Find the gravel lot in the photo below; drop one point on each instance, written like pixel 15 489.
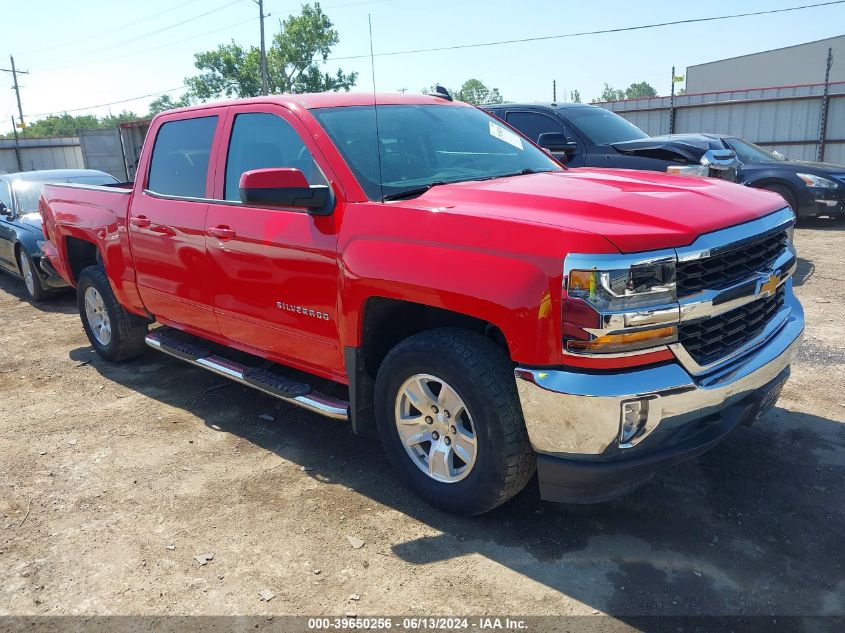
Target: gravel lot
pixel 113 478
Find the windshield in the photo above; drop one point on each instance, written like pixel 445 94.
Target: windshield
pixel 751 153
pixel 603 127
pixel 27 192
pixel 425 144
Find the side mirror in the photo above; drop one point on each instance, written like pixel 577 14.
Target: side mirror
pixel 4 210
pixel 557 142
pixel 284 187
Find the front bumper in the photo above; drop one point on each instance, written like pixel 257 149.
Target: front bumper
pixel 573 418
pixel 818 201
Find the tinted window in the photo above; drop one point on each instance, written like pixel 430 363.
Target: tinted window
pixel 179 165
pixel 422 144
pixel 603 127
pixel 5 194
pixel 533 124
pixel 261 140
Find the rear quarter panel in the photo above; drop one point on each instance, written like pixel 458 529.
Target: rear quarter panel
pixel 97 215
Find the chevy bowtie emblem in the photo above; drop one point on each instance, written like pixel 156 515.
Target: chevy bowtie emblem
pixel 769 284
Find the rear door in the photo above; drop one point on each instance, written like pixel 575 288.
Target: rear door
pixel 274 269
pixel 167 221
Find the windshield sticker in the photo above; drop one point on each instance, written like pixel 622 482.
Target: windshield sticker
pixel 505 135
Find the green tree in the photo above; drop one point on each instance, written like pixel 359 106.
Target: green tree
pixel 475 92
pixel 575 96
pixel 641 89
pixel 166 102
pixel 293 62
pixel 70 125
pixel 609 93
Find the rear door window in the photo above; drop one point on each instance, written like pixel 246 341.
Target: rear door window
pixel 179 166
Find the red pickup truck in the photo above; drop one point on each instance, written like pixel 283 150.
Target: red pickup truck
pixel 485 311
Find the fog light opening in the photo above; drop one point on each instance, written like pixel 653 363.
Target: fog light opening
pixel 633 418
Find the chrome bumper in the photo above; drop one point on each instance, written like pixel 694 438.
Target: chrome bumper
pixel 576 415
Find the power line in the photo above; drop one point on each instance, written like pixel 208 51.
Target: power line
pixel 504 42
pixel 149 49
pixel 156 31
pixel 103 105
pixel 581 33
pixel 111 29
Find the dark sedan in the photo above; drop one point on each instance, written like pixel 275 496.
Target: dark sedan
pixel 811 189
pixel 21 234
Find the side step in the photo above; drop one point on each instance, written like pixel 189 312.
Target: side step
pixel 193 350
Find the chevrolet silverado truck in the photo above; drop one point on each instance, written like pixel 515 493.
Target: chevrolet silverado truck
pixel 483 310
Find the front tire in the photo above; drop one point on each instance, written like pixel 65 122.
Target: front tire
pixel 29 272
pixel 450 420
pixel 115 334
pixel 786 193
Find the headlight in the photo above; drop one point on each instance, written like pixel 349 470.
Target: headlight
pixel 688 170
pixel 631 288
pixel 627 309
pixel 812 180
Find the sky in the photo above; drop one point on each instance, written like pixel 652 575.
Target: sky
pixel 90 52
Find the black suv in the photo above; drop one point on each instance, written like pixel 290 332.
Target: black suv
pixel 582 135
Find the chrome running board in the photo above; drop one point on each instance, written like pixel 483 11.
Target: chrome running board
pixel 181 346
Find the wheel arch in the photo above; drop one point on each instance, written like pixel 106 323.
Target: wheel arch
pixel 384 323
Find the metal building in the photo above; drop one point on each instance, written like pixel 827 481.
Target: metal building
pixel 788 66
pixel 786 99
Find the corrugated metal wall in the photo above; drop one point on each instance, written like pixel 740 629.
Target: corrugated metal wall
pixel 785 119
pixel 41 153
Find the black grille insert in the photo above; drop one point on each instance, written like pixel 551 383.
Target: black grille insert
pixel 730 267
pixel 711 339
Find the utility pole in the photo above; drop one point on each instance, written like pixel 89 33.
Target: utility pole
pixel 18 156
pixel 17 89
pixel 265 82
pixel 554 90
pixel 825 107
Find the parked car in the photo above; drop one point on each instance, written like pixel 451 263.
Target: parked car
pixel 20 225
pixel 485 309
pixel 582 135
pixel 811 189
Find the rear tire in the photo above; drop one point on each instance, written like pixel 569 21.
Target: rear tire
pixel 29 272
pixel 488 458
pixel 115 334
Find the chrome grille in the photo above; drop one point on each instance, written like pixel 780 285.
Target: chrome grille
pixel 712 339
pixel 729 267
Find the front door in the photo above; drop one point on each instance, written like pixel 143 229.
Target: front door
pixel 167 225
pixel 274 269
pixel 7 231
pixel 533 124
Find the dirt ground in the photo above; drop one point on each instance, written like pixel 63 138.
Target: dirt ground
pixel 114 477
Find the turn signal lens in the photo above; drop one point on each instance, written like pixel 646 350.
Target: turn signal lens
pixel 628 342
pixel 688 170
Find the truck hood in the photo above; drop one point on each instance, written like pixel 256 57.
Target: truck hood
pixel 687 147
pixel 635 210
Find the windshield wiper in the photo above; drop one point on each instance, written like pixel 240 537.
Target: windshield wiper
pixel 522 172
pixel 413 193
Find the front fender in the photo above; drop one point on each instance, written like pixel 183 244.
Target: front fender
pixel 507 274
